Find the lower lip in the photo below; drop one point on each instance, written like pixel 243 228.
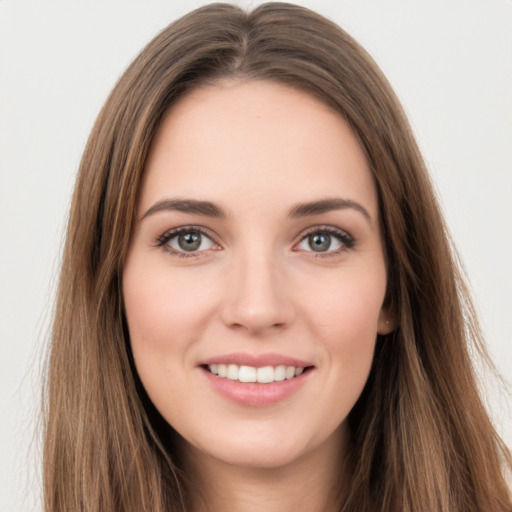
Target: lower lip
pixel 254 394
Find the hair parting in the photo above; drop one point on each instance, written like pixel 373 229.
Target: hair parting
pixel 421 437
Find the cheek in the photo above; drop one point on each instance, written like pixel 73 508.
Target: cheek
pixel 347 307
pixel 163 316
pixel 164 311
pixel 345 319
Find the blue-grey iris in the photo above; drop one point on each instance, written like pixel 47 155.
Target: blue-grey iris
pixel 189 241
pixel 319 242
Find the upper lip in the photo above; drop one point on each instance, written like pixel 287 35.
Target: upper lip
pixel 256 360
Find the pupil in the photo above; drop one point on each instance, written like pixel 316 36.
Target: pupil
pixel 189 241
pixel 319 242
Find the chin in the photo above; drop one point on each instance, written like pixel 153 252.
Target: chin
pixel 263 450
pixel 257 457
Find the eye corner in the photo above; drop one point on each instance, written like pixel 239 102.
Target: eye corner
pixel 332 236
pixel 170 242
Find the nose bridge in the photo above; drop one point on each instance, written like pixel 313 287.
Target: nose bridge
pixel 256 296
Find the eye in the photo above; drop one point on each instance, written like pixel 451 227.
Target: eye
pixel 325 240
pixel 186 241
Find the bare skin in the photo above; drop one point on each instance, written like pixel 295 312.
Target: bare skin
pixel 290 488
pixel 258 246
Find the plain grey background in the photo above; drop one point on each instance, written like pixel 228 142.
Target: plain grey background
pixel 450 62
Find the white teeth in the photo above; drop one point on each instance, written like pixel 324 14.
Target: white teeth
pixel 247 374
pixel 263 375
pixel 233 371
pixel 279 372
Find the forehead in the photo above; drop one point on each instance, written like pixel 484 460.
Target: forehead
pixel 255 143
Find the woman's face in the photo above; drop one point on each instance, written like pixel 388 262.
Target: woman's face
pixel 255 278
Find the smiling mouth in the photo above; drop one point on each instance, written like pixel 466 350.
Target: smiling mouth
pixel 262 375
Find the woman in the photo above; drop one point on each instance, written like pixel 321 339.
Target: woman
pixel 258 306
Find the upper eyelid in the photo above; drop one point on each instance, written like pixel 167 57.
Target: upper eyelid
pixel 345 238
pixel 325 228
pixel 170 233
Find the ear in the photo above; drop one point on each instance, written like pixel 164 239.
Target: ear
pixel 386 322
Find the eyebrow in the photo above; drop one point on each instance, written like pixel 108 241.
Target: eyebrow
pixel 209 209
pixel 192 206
pixel 327 205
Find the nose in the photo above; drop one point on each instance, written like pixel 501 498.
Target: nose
pixel 257 298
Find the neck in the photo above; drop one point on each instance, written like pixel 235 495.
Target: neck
pixel 311 482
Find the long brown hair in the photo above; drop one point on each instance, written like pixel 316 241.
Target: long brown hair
pixel 421 438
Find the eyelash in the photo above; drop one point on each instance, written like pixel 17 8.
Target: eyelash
pixel 163 240
pixel 343 237
pixel 347 241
